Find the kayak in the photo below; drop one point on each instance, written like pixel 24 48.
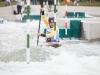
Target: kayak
pixel 52 44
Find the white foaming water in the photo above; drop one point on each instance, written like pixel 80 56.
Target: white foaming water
pixel 75 57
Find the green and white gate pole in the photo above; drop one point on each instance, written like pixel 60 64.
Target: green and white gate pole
pixel 55 19
pixel 66 14
pixel 28 33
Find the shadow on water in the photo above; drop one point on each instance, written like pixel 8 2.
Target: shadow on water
pixel 42 54
pixel 39 54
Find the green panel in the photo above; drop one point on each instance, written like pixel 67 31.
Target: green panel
pixel 80 14
pixel 70 14
pixel 69 33
pixel 75 24
pixel 62 33
pixel 36 17
pixel 31 17
pixel 77 33
pixel 45 31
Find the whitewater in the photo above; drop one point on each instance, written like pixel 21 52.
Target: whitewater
pixel 75 57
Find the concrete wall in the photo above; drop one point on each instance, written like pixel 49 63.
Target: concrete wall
pixel 90 27
pixel 91 30
pixel 7 10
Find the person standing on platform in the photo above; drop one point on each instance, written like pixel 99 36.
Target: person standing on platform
pixel 19 6
pixel 34 2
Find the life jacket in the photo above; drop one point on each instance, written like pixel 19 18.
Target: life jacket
pixel 48 30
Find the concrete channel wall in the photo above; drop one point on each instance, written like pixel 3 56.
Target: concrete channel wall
pixel 90 26
pixel 91 30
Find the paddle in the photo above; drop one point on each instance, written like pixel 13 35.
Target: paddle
pixel 39 28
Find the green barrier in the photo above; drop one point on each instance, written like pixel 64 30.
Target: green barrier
pixel 70 15
pixel 37 17
pixel 77 33
pixel 45 31
pixel 75 25
pixel 24 18
pixel 62 33
pixel 32 17
pixel 69 33
pixel 80 14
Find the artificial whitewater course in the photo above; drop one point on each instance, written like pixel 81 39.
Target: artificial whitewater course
pixel 75 57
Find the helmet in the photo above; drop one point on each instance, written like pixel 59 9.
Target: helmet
pixel 51 19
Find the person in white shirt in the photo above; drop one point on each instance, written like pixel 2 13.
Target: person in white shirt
pixel 19 6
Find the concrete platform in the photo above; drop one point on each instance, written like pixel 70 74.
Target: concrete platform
pixel 6 12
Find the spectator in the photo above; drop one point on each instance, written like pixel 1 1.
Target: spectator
pixel 34 2
pixel 7 2
pixel 19 6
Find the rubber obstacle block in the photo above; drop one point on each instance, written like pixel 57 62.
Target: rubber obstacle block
pixel 62 33
pixel 32 17
pixel 75 25
pixel 70 15
pixel 69 33
pixel 80 14
pixel 37 17
pixel 77 33
pixel 45 31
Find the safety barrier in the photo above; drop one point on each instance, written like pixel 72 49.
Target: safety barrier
pixel 32 17
pixel 77 15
